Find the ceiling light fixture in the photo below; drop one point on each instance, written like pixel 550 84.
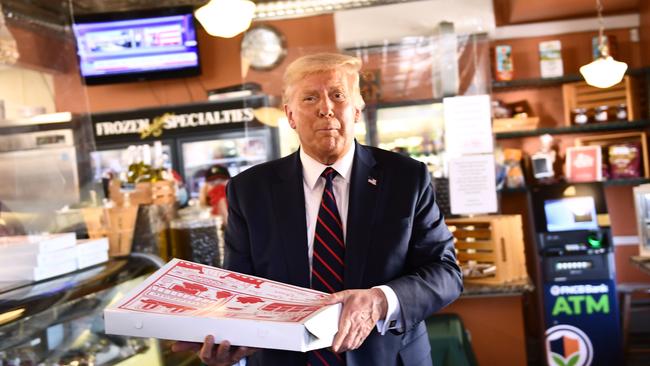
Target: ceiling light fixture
pixel 8 47
pixel 604 71
pixel 226 18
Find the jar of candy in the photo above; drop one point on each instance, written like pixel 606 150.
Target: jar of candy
pixel 601 114
pixel 580 116
pixel 621 112
pixel 194 236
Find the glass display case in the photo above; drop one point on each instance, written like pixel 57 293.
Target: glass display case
pixel 642 203
pixel 414 130
pixel 59 321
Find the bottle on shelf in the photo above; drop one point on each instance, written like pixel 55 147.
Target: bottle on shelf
pixel 135 163
pixel 157 169
pixel 145 165
pixel 580 116
pixel 621 112
pixel 602 114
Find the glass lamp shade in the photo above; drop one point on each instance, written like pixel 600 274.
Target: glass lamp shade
pixel 603 72
pixel 226 18
pixel 8 47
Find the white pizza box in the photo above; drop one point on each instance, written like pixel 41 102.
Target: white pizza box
pixel 92 246
pixel 187 301
pixel 43 243
pixel 37 273
pixel 85 260
pixel 37 259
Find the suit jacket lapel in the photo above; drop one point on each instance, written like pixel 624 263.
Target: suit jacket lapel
pixel 289 206
pixel 361 211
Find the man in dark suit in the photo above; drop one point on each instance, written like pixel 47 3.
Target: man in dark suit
pixel 355 221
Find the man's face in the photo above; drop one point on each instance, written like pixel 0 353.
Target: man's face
pixel 322 111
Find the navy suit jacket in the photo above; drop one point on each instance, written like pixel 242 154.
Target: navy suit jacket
pixel 395 236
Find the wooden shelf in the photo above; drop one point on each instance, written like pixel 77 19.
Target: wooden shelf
pixel 513 190
pixel 626 182
pixel 565 130
pixel 606 183
pixel 547 82
pixel 534 83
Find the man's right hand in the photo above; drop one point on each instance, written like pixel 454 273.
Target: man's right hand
pixel 222 355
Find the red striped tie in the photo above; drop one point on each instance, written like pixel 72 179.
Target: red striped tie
pixel 328 260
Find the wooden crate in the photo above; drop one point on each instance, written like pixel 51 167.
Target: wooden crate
pixel 582 95
pixel 116 223
pixel 639 137
pixel 491 240
pixel 514 124
pixel 145 193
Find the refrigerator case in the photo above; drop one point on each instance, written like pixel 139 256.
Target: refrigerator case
pixel 237 151
pixel 45 169
pixel 109 160
pixel 197 135
pixel 45 178
pixel 416 130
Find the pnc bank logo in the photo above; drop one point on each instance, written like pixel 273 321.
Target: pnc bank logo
pixel 568 346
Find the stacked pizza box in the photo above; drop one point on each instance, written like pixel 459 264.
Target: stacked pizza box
pixel 39 257
pixel 91 252
pixel 187 301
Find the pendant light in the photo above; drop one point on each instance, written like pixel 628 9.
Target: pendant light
pixel 604 71
pixel 8 47
pixel 226 18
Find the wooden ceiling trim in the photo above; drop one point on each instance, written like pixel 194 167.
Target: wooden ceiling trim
pixel 509 12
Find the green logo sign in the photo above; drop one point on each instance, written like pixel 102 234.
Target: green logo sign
pixel 581 304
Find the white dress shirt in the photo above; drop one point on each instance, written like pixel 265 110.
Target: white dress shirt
pixel 314 185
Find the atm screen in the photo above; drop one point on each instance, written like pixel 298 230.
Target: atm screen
pixel 574 213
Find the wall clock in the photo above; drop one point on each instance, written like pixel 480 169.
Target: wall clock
pixel 264 47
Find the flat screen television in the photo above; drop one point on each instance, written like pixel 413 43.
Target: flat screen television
pixel 137 45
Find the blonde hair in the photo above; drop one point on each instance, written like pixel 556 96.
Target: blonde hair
pixel 323 62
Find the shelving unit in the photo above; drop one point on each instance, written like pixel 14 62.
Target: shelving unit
pixel 547 82
pixel 606 183
pixel 626 182
pixel 534 83
pixel 565 130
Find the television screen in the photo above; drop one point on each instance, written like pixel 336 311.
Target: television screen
pixel 574 213
pixel 131 46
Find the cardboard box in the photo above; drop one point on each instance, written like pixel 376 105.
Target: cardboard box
pixel 187 301
pixel 86 246
pixel 550 59
pixel 37 259
pixel 503 61
pixel 36 243
pixel 584 164
pixel 37 273
pixel 92 258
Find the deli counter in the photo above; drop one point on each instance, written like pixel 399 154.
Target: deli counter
pixel 59 321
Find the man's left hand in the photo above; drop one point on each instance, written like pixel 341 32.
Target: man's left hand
pixel 361 311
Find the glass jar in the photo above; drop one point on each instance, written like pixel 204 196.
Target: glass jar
pixel 601 114
pixel 621 112
pixel 194 237
pixel 580 116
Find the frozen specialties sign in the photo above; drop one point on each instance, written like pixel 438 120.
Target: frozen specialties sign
pixel 155 126
pixel 159 123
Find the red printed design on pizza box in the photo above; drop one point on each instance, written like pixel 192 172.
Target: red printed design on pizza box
pixel 193 289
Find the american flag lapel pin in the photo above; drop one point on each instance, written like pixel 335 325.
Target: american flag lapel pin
pixel 372 181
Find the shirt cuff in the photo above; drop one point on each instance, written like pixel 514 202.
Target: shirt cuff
pixel 393 318
pixel 241 362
